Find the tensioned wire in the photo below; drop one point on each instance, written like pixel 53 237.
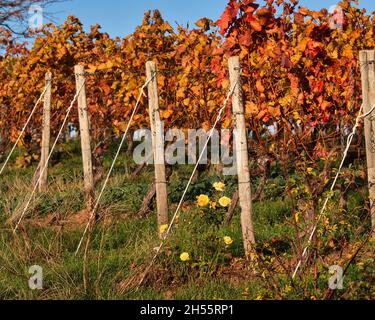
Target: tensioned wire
pixel 24 127
pixel 167 233
pixel 49 156
pixel 114 162
pixel 345 154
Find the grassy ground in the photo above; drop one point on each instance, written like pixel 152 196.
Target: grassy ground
pixel 122 244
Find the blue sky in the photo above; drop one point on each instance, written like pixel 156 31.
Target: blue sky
pixel 120 17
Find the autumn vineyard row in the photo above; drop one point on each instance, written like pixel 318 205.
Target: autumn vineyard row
pixel 301 73
pixel 305 77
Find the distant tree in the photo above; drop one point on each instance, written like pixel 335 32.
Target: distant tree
pixel 15 14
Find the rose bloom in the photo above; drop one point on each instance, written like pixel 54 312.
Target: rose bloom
pixel 184 257
pixel 203 200
pixel 219 186
pixel 163 228
pixel 213 205
pixel 228 241
pixel 225 202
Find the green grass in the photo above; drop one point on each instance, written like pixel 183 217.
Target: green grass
pixel 122 247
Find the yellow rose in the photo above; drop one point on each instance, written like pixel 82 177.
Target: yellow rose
pixel 228 241
pixel 213 205
pixel 184 257
pixel 219 186
pixel 225 202
pixel 203 200
pixel 163 229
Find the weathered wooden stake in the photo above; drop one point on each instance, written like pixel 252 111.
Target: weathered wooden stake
pixel 244 185
pixel 367 62
pixel 46 135
pixel 158 145
pixel 85 136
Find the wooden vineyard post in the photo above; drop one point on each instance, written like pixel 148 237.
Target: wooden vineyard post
pixel 244 185
pixel 46 135
pixel 158 146
pixel 85 136
pixel 367 63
